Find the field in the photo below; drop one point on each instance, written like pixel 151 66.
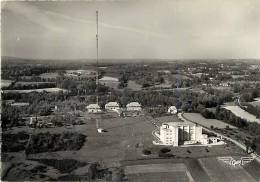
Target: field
pixel 256 102
pixel 111 82
pixel 49 75
pixel 30 83
pixel 122 146
pixel 198 170
pixel 222 88
pixel 133 85
pixel 158 172
pixel 5 83
pixel 124 140
pixel 53 90
pixel 225 172
pixel 198 118
pixel 242 113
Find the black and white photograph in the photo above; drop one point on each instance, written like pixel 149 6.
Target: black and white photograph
pixel 130 90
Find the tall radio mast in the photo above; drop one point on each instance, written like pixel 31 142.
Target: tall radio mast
pixel 97 59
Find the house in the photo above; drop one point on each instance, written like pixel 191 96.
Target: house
pixel 172 110
pixel 94 108
pixel 133 106
pixel 112 106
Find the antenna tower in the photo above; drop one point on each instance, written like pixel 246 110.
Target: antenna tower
pixel 97 59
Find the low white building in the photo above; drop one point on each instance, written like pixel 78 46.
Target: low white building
pixel 179 133
pixel 94 108
pixel 133 106
pixel 20 104
pixel 172 110
pixel 112 106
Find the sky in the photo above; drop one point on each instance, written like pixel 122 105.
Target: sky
pixel 132 29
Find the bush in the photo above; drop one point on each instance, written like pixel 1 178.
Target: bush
pixel 166 155
pixel 147 152
pixel 64 165
pixel 14 142
pixel 165 150
pixel 46 142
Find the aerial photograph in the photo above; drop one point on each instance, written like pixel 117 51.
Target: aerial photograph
pixel 130 90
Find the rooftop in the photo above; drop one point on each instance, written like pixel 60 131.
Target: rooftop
pixel 112 104
pixel 180 123
pixel 93 106
pixel 135 104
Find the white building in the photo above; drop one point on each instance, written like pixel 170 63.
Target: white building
pixel 172 110
pixel 94 108
pixel 133 106
pixel 179 133
pixel 20 104
pixel 112 106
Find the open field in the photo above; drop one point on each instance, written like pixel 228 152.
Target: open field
pixel 256 102
pixel 242 113
pixel 53 90
pixel 123 143
pixel 219 171
pixel 109 81
pixel 30 83
pixel 49 75
pixel 133 85
pixel 198 170
pixel 222 88
pixel 253 169
pixel 125 140
pixel 198 118
pixel 158 172
pixel 155 177
pixel 5 83
pixel 153 168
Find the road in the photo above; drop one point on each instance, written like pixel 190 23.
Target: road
pixel 242 146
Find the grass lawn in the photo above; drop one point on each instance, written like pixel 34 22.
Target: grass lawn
pixel 198 118
pixel 220 171
pixel 123 143
pixel 49 75
pixel 5 83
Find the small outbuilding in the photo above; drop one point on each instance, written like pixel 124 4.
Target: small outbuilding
pixel 94 108
pixel 172 110
pixel 133 106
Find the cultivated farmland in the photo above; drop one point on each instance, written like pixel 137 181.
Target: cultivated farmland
pixel 198 118
pixel 242 113
pixel 53 90
pixel 5 83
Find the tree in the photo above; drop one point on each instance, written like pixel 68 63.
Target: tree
pixel 10 116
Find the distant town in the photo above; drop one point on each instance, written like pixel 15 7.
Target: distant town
pixel 122 120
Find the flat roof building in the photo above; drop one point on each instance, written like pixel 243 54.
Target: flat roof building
pixel 179 133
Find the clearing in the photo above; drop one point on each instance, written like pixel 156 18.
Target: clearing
pixel 242 113
pixel 198 118
pixel 53 90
